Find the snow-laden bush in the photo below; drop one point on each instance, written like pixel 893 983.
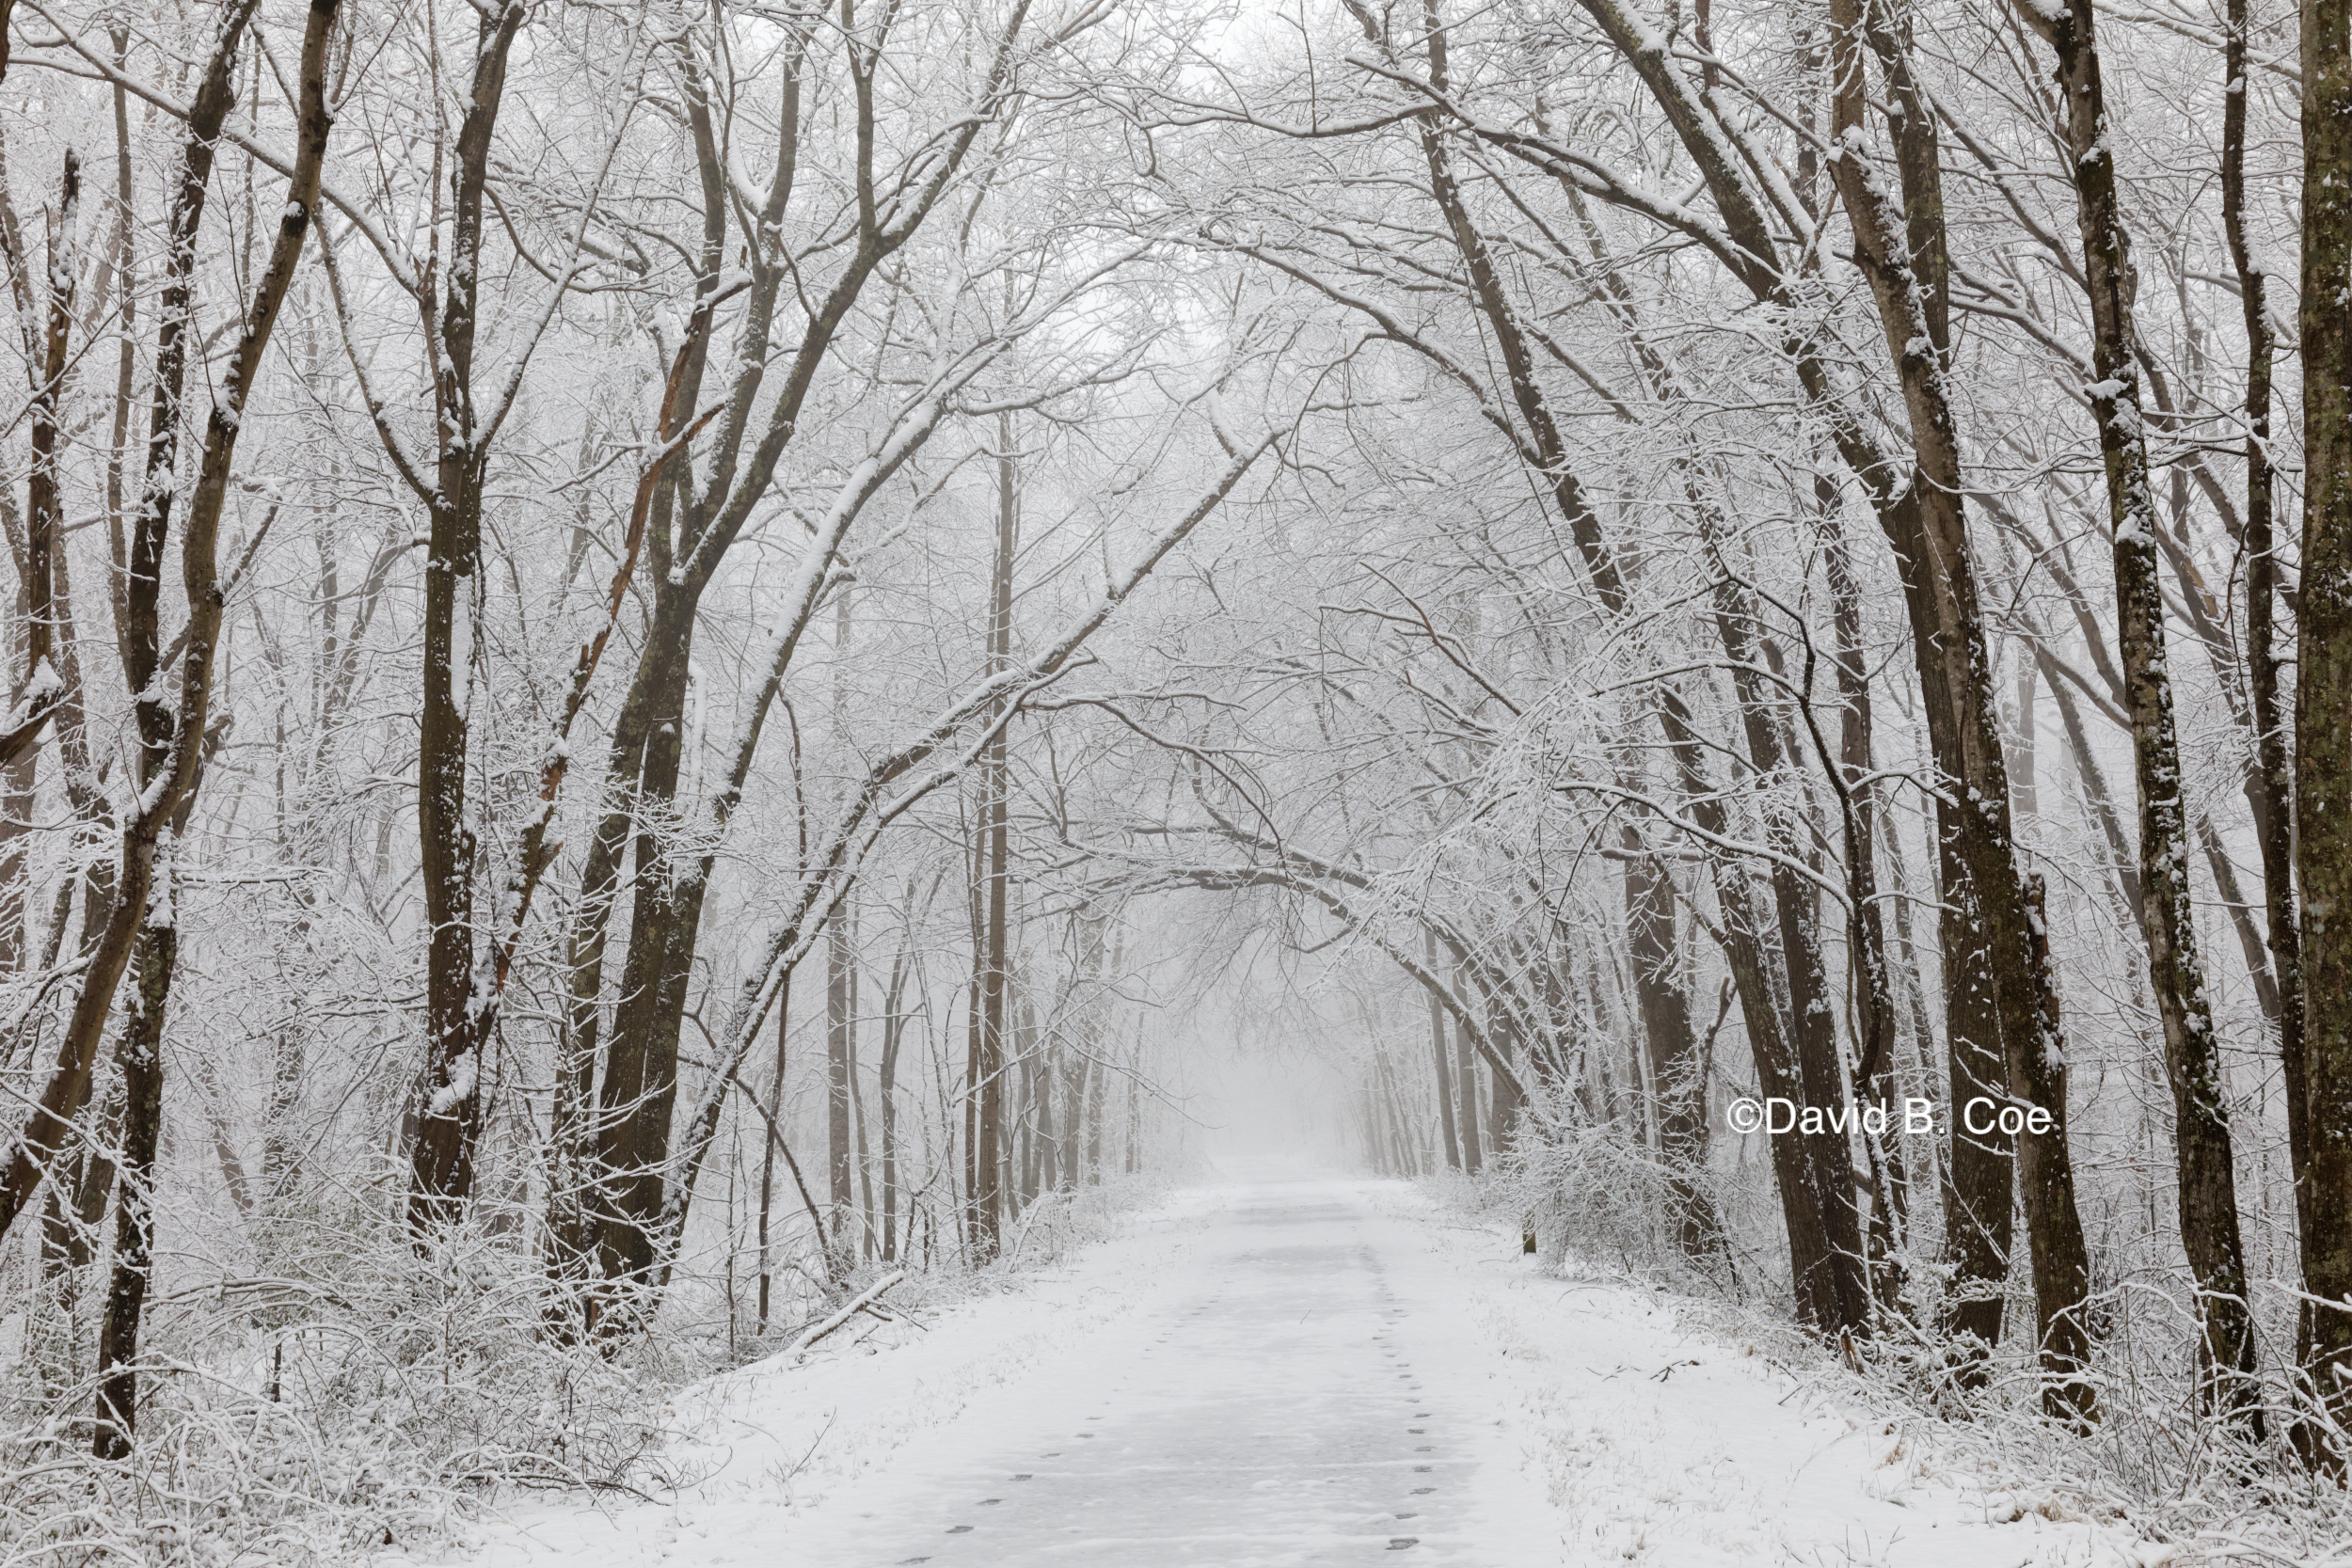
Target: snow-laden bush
pixel 1599 1191
pixel 295 1416
pixel 1058 1222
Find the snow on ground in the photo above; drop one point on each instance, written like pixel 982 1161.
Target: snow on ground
pixel 1295 1369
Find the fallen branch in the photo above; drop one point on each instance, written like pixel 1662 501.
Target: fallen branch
pixel 1028 1215
pixel 866 1298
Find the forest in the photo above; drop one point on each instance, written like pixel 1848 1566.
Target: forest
pixel 685 674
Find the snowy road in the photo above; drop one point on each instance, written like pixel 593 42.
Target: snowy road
pixel 1303 1370
pixel 1279 1405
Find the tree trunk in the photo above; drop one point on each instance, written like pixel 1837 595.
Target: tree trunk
pixel 887 1091
pixel 768 1149
pixel 1444 1068
pixel 1097 1096
pixel 1858 810
pixel 867 1215
pixel 976 911
pixel 1673 1045
pixel 2208 1190
pixel 2323 695
pixel 1081 1087
pixel 1812 1019
pixel 1503 1100
pixel 1465 1095
pixel 1998 989
pixel 638 1090
pixel 1043 1139
pixel 2274 780
pixel 141 1054
pixel 840 1063
pixel 1131 1153
pixel 987 1197
pixel 1032 1093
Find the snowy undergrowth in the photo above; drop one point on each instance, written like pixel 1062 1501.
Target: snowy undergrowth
pixel 739 1452
pixel 291 1423
pixel 2158 1481
pixel 288 1421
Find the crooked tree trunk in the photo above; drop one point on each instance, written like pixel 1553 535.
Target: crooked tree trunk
pixel 1812 1020
pixel 638 1150
pixel 172 741
pixel 172 759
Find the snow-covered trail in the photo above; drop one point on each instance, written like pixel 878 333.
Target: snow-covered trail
pixel 1299 1369
pixel 1286 1399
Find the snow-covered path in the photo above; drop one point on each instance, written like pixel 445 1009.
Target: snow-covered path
pixel 1295 1370
pixel 1285 1401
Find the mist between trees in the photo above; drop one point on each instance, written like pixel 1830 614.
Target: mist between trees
pixel 659 651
